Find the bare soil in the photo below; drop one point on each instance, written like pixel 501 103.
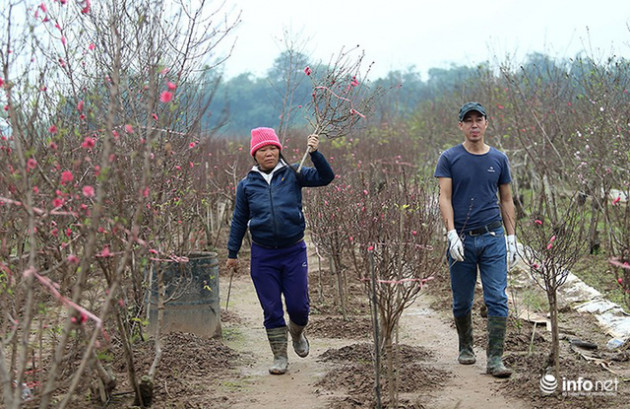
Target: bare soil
pixel 231 372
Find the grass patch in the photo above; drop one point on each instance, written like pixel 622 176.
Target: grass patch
pixel 232 334
pixel 535 299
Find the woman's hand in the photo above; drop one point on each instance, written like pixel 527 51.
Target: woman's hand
pixel 232 263
pixel 313 142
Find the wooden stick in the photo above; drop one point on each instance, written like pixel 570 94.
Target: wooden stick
pixel 308 149
pixel 227 301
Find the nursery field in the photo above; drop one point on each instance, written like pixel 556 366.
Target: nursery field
pixel 231 372
pixel 116 168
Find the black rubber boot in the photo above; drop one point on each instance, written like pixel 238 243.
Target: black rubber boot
pixel 278 342
pixel 465 333
pixel 496 339
pixel 300 343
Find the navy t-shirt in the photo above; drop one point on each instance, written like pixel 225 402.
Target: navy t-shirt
pixel 476 180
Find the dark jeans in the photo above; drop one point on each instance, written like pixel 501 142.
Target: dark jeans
pixel 488 252
pixel 278 272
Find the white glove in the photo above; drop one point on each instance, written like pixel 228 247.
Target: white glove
pixel 456 247
pixel 511 250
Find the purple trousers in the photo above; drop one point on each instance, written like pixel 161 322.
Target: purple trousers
pixel 277 273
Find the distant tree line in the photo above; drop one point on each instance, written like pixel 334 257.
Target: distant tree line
pixel 245 101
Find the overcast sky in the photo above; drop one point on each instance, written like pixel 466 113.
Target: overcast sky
pixel 398 34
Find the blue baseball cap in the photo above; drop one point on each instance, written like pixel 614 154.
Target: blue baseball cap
pixel 471 106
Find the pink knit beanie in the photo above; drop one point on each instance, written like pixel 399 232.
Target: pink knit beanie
pixel 263 137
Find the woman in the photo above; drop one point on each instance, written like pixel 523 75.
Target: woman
pixel 269 203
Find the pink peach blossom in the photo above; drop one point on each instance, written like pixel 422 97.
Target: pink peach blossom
pixel 105 252
pixel 88 191
pixel 88 143
pixel 31 163
pixel 166 97
pixel 66 177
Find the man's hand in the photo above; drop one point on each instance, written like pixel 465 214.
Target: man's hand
pixel 456 247
pixel 511 250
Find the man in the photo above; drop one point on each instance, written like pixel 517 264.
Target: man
pixel 470 176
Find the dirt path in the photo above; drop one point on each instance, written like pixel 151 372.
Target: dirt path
pixel 468 387
pixel 257 388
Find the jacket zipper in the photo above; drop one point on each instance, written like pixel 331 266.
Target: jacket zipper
pixel 273 215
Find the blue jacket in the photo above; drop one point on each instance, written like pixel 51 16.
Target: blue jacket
pixel 273 211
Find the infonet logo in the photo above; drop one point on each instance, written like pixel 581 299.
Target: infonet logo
pixel 579 387
pixel 548 384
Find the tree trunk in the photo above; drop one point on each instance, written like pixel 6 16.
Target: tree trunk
pixel 554 356
pixel 375 328
pixel 340 287
pixel 389 353
pixel 593 228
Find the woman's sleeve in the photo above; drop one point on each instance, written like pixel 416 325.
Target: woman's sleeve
pixel 240 217
pixel 320 175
